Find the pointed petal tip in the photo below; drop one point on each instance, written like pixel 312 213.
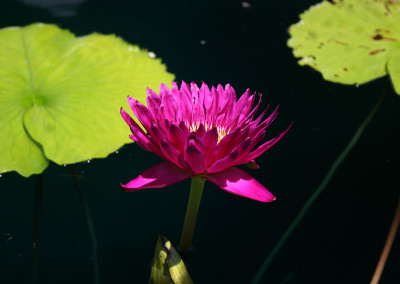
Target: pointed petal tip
pixel 252 165
pixel 183 83
pixel 131 101
pixel 162 85
pixel 122 111
pixel 240 183
pixel 123 187
pixel 268 199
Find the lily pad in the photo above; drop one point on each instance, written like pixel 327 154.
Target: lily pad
pixel 60 95
pixel 350 41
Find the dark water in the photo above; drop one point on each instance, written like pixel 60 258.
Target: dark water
pixel 339 240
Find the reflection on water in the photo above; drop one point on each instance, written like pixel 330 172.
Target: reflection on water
pixel 58 8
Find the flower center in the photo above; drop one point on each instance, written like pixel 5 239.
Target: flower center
pixel 222 131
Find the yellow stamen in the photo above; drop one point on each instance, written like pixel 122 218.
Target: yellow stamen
pixel 222 131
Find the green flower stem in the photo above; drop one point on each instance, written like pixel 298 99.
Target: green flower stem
pixel 321 187
pixel 89 221
pixel 37 219
pixel 196 190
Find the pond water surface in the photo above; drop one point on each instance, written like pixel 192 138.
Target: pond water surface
pixel 242 43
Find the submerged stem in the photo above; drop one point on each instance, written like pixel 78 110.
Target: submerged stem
pixel 388 246
pixel 36 227
pixel 89 221
pixel 196 190
pixel 321 187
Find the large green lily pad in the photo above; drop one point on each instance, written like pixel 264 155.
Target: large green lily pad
pixel 350 41
pixel 60 95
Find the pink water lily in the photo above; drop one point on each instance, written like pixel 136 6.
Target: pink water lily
pixel 201 132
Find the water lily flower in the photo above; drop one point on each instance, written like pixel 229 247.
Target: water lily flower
pixel 204 133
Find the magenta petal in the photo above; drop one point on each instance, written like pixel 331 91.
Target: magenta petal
pixel 262 126
pixel 224 163
pixel 255 122
pixel 142 113
pixel 230 141
pixel 246 109
pixel 212 106
pixel 223 97
pixel 172 154
pixel 170 105
pixel 153 103
pixel 129 120
pixel 140 137
pixel 205 92
pixel 195 158
pixel 184 103
pixel 210 139
pixel 198 113
pixel 159 176
pixel 176 137
pixel 242 101
pixel 186 90
pixel 156 133
pixel 197 141
pixel 240 183
pixel 146 142
pixel 182 126
pixel 140 144
pixel 264 147
pixel 229 160
pixel 201 131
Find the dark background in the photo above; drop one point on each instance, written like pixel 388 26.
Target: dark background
pixel 339 240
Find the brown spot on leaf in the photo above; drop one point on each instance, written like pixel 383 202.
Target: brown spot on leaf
pixel 377 51
pixel 382 31
pixel 332 40
pixel 339 42
pixel 336 75
pixel 387 9
pixel 345 69
pixel 381 37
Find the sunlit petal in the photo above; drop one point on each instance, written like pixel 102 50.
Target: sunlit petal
pixel 159 176
pixel 240 183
